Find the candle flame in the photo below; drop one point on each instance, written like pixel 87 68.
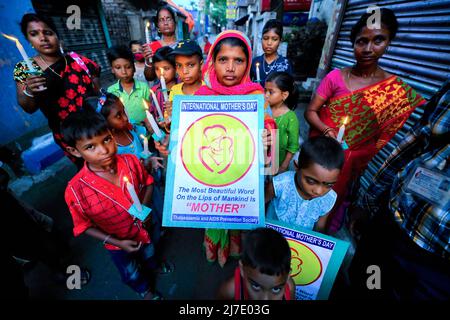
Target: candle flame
pixel 148 24
pixel 257 64
pixel 143 137
pixel 125 179
pixel 345 120
pixel 145 104
pixel 151 91
pixel 11 38
pixel 162 71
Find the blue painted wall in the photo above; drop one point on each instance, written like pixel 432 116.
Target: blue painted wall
pixel 14 122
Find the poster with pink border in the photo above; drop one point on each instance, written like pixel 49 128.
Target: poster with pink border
pixel 215 171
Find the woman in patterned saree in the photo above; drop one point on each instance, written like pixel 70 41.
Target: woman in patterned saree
pixel 372 103
pixel 62 82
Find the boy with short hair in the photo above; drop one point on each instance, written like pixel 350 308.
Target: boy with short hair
pixel 263 271
pixel 307 205
pixel 99 200
pixel 130 91
pixel 188 63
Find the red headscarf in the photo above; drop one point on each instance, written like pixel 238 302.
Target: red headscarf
pixel 213 87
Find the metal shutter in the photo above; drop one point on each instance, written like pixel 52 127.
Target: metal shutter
pixel 420 53
pixel 88 41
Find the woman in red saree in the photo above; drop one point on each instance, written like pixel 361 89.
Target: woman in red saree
pixel 227 72
pixel 376 103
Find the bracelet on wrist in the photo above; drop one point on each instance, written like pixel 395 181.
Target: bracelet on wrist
pixel 106 239
pixel 328 129
pixel 25 92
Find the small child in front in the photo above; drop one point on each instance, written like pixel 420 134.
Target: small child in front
pixel 319 163
pixel 99 199
pixel 263 271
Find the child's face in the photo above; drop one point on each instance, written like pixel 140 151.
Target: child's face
pixel 230 65
pixel 261 286
pixel 98 151
pixel 273 95
pixel 117 118
pixel 315 180
pixel 189 68
pixel 136 48
pixel 123 69
pixel 270 42
pixel 169 70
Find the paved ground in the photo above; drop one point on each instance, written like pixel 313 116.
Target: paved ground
pixel 193 278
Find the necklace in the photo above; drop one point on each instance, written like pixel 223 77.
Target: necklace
pixel 264 65
pixel 42 59
pixel 129 139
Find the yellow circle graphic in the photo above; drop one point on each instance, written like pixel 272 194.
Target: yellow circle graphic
pixel 306 266
pixel 217 150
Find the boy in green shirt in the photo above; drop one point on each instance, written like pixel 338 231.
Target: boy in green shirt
pixel 132 92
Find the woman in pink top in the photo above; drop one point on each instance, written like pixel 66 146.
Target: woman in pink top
pixel 374 102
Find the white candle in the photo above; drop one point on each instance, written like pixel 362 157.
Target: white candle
pixel 125 109
pixel 163 85
pixel 341 132
pixel 22 52
pixel 156 103
pixel 133 194
pixel 147 32
pixel 258 78
pixel 145 141
pixel 152 121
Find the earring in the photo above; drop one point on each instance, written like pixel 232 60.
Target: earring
pixel 61 49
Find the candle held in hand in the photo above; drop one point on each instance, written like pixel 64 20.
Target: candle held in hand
pixel 341 132
pixel 145 142
pixel 152 121
pixel 258 77
pixel 163 85
pixel 133 194
pixel 156 103
pixel 147 32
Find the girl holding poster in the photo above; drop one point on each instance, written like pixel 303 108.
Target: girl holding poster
pixel 227 72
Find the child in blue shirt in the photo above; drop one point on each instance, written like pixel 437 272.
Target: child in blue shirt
pixel 308 203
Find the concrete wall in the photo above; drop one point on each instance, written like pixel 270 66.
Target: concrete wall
pixel 322 10
pixel 14 122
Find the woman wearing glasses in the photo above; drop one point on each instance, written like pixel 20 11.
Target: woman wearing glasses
pixel 166 25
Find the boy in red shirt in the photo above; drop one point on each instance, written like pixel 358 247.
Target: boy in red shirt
pixel 99 201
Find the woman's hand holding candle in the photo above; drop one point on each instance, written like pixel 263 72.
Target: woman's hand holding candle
pixel 35 84
pixel 341 132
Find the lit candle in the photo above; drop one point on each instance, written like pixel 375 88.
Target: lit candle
pixel 22 52
pixel 258 78
pixel 341 132
pixel 147 32
pixel 125 109
pixel 163 85
pixel 156 103
pixel 145 141
pixel 152 121
pixel 132 193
